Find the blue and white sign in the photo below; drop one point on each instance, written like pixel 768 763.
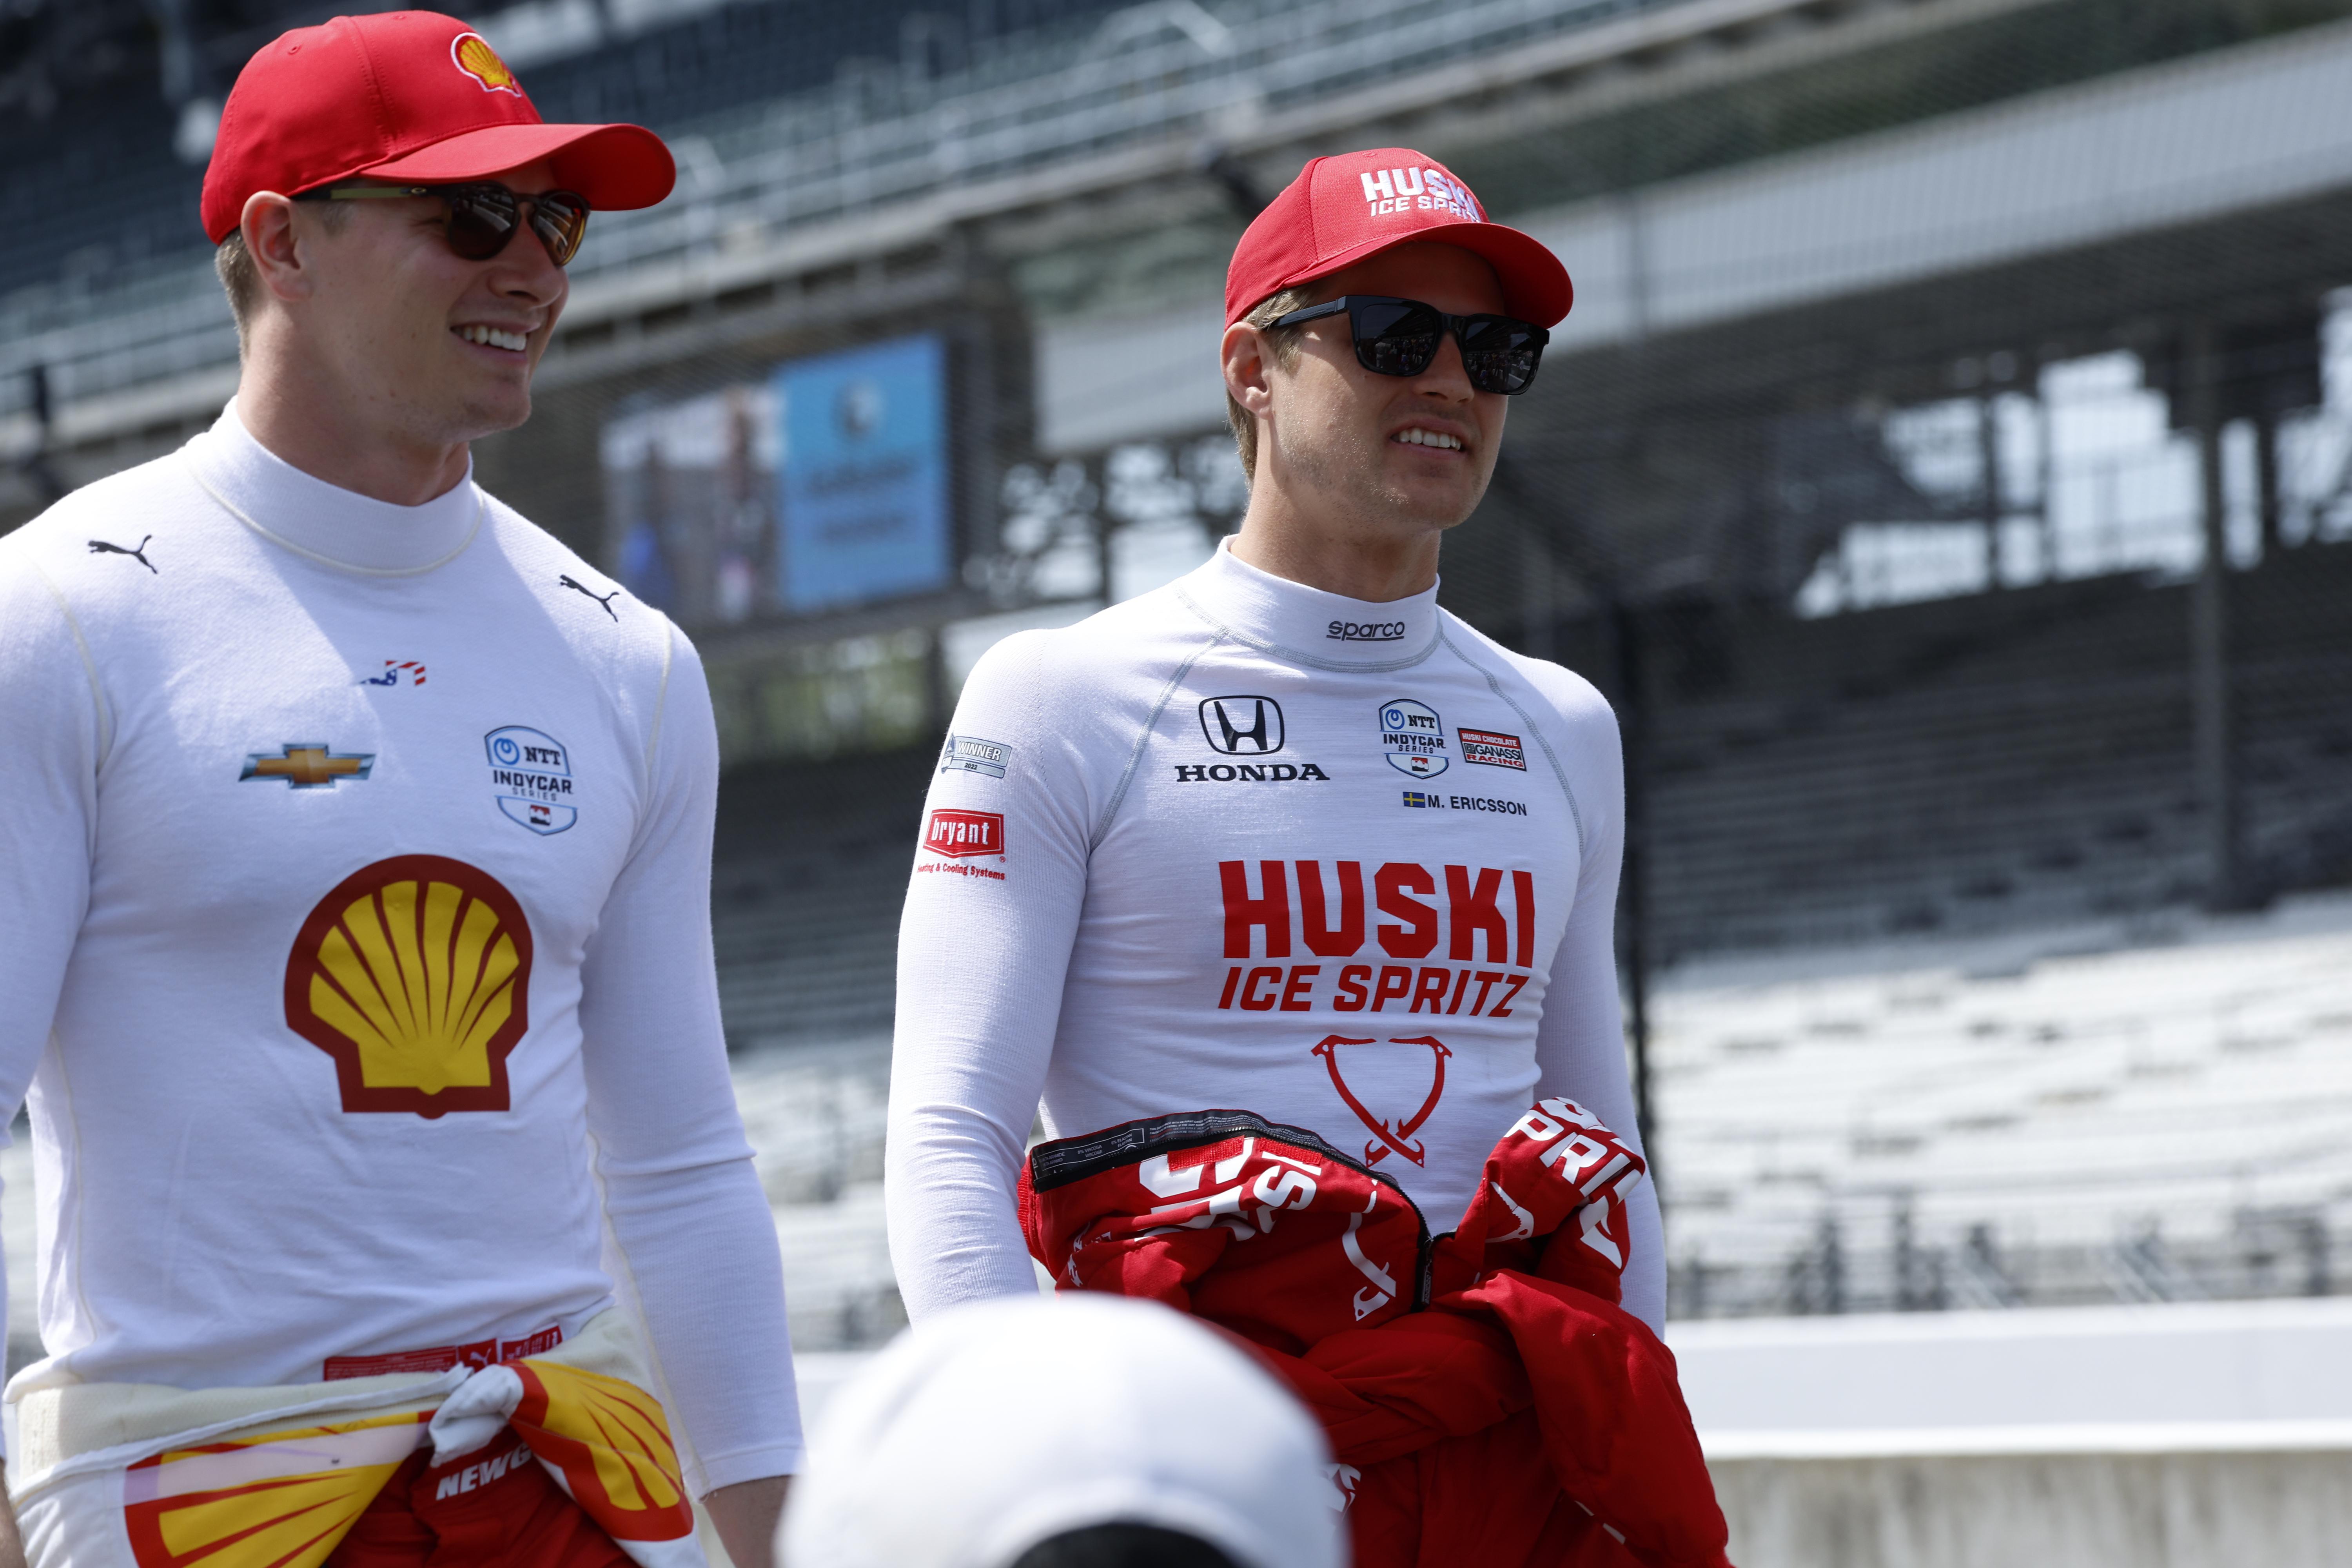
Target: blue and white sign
pixel 864 488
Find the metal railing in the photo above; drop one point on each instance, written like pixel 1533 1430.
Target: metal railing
pixel 2263 1253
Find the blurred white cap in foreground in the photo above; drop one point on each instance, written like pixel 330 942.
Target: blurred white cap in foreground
pixel 985 1430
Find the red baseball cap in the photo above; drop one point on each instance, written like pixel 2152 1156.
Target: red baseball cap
pixel 406 95
pixel 1345 209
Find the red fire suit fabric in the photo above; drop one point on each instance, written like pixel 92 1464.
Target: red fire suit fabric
pixel 515 1518
pixel 1487 1400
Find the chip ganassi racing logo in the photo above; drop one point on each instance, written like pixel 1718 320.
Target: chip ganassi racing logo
pixel 1493 749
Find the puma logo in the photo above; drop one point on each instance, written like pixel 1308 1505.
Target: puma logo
pixel 603 599
pixel 101 547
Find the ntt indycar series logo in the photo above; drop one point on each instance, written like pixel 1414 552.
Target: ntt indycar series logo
pixel 1365 631
pixel 531 777
pixel 1412 738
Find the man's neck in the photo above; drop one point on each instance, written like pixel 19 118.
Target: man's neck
pixel 310 424
pixel 1374 566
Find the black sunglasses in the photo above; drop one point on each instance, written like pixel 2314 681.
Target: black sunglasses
pixel 484 217
pixel 1400 337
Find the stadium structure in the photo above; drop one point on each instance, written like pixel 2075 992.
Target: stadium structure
pixel 1946 470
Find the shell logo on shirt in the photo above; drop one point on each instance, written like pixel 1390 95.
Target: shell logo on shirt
pixel 415 975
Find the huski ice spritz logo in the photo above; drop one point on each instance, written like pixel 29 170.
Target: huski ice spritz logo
pixel 1418 190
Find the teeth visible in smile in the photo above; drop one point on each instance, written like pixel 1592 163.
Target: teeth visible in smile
pixel 492 338
pixel 1416 437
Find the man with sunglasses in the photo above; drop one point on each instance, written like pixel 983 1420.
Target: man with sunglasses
pixel 1282 837
pixel 355 942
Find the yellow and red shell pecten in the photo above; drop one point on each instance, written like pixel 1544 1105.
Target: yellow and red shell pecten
pixel 474 55
pixel 415 975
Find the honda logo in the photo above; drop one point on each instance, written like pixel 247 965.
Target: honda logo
pixel 1242 726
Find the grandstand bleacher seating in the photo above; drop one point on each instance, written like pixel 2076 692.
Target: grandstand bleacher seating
pixel 99 169
pixel 810 869
pixel 2110 1110
pixel 1978 763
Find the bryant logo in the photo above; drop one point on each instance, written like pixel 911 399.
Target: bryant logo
pixel 960 835
pixel 1241 726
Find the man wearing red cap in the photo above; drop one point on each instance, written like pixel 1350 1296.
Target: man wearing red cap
pixel 1283 836
pixel 356 949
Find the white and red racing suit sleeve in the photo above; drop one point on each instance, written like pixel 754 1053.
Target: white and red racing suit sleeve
pixel 686 1206
pixel 983 949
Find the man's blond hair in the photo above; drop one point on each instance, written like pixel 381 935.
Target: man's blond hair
pixel 1283 343
pixel 242 279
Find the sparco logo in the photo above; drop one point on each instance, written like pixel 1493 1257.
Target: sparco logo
pixel 959 834
pixel 1242 726
pixel 1366 631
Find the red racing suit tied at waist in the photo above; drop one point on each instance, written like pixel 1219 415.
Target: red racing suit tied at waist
pixel 1488 1399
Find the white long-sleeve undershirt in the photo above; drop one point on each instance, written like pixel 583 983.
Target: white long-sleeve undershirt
pixel 1091 923
pixel 267 701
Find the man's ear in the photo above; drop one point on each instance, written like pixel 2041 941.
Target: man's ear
pixel 277 248
pixel 1246 357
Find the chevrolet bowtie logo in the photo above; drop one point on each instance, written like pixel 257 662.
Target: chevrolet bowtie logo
pixel 307 765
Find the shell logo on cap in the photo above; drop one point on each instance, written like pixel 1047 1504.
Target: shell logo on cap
pixel 473 55
pixel 415 975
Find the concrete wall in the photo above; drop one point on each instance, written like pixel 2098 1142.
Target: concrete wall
pixel 2277 1506
pixel 2172 1436
pixel 1896 1374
